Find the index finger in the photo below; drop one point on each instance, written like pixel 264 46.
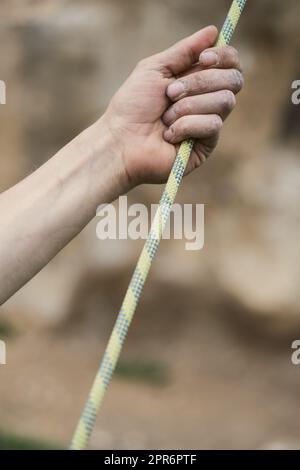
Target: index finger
pixel 226 57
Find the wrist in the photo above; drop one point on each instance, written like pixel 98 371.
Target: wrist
pixel 104 153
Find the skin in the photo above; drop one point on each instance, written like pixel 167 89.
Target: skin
pixel 186 91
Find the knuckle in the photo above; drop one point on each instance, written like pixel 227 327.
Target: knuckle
pixel 184 107
pixel 200 81
pixel 228 100
pixel 216 124
pixel 237 80
pixel 232 51
pixel 197 82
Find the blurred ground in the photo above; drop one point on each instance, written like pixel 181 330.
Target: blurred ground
pixel 218 323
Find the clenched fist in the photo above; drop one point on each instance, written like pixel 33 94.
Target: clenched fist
pixel 185 91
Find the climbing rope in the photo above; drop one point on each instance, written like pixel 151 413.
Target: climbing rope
pixel 87 421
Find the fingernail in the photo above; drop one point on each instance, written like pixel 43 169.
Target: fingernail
pixel 175 90
pixel 208 58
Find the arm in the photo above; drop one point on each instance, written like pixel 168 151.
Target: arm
pixel 42 213
pixel 166 99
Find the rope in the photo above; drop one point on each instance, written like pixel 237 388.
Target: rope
pixel 87 421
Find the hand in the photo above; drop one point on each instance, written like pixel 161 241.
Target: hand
pixel 185 91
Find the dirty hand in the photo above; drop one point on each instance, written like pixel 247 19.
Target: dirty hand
pixel 185 91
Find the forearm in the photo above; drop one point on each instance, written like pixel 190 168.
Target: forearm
pixel 42 213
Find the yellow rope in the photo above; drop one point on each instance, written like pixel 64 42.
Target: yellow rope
pixel 111 355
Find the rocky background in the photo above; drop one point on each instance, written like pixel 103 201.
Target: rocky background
pixel 208 360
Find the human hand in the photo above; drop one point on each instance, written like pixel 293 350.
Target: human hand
pixel 184 92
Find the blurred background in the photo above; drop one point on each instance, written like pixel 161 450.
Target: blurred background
pixel 207 363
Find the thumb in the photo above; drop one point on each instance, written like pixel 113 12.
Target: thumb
pixel 180 57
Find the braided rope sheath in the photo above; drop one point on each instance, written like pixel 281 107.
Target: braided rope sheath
pixel 111 355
